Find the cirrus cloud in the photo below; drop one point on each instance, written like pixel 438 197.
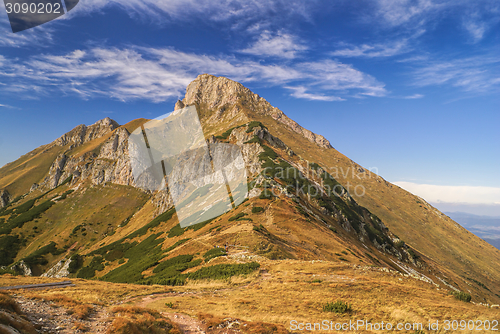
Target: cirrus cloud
pixel 158 74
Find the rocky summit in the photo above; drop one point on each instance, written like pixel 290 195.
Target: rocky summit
pixel 312 219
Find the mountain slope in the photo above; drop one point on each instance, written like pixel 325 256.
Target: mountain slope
pixel 80 213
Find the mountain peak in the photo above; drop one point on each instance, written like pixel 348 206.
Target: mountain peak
pixel 82 133
pixel 229 99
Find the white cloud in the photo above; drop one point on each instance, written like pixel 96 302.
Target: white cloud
pixel 333 75
pixel 397 12
pixel 161 74
pixel 300 92
pixel 232 11
pixel 6 106
pixel 473 74
pixel 38 36
pixel 477 16
pixel 374 50
pixel 280 45
pixel 476 29
pixel 414 96
pixel 453 194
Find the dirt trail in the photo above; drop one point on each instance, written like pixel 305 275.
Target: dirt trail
pixel 51 318
pixel 187 324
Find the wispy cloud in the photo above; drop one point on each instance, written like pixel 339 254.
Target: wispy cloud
pixel 453 194
pixel 414 96
pixel 300 92
pixel 233 11
pixel 473 74
pixel 374 50
pixel 477 16
pixel 398 12
pixel 158 74
pixel 39 36
pixel 280 45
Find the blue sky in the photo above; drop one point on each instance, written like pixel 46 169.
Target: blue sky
pixel 408 87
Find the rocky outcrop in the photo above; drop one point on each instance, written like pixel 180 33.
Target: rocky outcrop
pixel 82 133
pixel 226 98
pixel 60 269
pixel 22 268
pixel 111 164
pixel 5 198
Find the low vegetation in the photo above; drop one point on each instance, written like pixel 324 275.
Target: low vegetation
pixel 337 307
pixel 462 296
pixel 213 253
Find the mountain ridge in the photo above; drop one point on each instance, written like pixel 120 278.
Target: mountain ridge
pixel 87 171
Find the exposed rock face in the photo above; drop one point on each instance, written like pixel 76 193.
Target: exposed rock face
pixel 4 198
pixel 110 165
pixel 60 269
pixel 82 133
pixel 22 268
pixel 225 97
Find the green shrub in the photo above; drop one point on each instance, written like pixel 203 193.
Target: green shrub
pixel 227 133
pixel 337 307
pixel 9 247
pixel 224 271
pixel 399 244
pixel 65 194
pixel 167 215
pixel 253 125
pixel 257 209
pixel 25 206
pixel 413 254
pixel 463 296
pixel 68 179
pixel 302 211
pixel 238 216
pixel 75 264
pixel 176 231
pixel 38 256
pixel 180 259
pixel 266 194
pixel 314 166
pixel 268 153
pixel 31 214
pixel 255 139
pixel 141 256
pixel 89 271
pixel 213 253
pixel 8 271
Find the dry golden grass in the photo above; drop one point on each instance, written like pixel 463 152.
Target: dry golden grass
pixel 17 177
pixel 138 320
pixel 289 294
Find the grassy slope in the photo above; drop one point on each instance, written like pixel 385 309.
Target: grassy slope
pixel 415 222
pixel 18 176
